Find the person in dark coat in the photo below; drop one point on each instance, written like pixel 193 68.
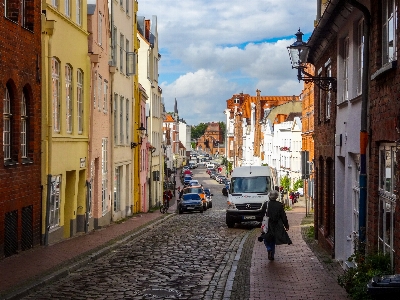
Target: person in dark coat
pixel 278 224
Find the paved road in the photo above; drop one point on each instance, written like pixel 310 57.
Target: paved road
pixel 195 256
pixel 189 256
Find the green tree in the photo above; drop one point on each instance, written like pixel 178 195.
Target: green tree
pixel 298 184
pixel 223 129
pixel 285 182
pixel 198 130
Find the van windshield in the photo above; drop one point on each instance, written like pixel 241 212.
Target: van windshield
pixel 257 184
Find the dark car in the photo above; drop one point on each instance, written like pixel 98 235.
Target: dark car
pixel 209 195
pixel 190 202
pixel 186 180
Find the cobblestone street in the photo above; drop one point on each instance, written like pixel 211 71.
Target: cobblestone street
pixel 196 256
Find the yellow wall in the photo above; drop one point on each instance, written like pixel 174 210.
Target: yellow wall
pixel 68 42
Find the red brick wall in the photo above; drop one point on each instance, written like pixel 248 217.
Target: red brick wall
pixel 324 150
pixel 384 114
pixel 20 184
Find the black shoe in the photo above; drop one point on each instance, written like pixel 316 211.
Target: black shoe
pixel 270 255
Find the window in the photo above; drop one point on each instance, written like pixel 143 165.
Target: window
pixel 345 69
pixel 54 3
pixel 104 171
pixel 24 128
pixel 94 90
pixel 79 12
pixel 79 100
pixel 115 105
pixel 121 53
pixel 114 46
pixel 360 53
pixel 121 120
pixel 127 121
pixel 389 23
pixel 67 8
pixel 127 7
pixel 27 10
pixel 68 97
pixel 387 199
pixel 126 53
pixel 117 188
pixel 7 117
pixel 100 30
pixel 105 103
pixel 55 75
pixel 328 94
pixel 99 91
pixel 55 198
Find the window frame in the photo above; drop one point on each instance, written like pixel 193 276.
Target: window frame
pixel 389 29
pixel 56 101
pixel 79 100
pixel 67 8
pixel 79 12
pixel 360 55
pixel 100 29
pixel 328 95
pixel 24 128
pixel 7 129
pixel 69 98
pixel 121 52
pixel 387 199
pixel 55 202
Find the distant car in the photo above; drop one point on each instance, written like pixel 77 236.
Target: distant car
pixel 190 202
pixel 193 182
pixel 221 179
pixel 198 189
pixel 301 192
pixel 209 195
pixel 186 180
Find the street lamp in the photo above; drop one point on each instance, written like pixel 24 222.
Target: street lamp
pixel 298 53
pixel 142 133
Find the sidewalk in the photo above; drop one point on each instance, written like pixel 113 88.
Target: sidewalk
pixel 296 272
pixel 35 267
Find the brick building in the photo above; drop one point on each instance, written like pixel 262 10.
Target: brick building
pixel 20 102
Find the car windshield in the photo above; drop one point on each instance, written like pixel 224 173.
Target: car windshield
pixel 257 184
pixel 191 197
pixel 194 190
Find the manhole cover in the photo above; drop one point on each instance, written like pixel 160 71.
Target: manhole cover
pixel 162 293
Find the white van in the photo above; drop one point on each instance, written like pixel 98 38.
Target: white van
pixel 248 194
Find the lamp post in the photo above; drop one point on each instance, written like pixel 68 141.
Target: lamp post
pixel 298 53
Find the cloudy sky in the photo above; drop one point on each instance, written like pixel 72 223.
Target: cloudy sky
pixel 212 49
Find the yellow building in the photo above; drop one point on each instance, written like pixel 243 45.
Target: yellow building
pixel 65 115
pixel 136 120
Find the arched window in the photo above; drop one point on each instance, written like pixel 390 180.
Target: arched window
pixel 24 128
pixel 68 98
pixel 79 100
pixel 55 77
pixel 7 116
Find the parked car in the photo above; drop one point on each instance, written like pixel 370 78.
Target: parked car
pixel 186 180
pixel 193 182
pixel 198 189
pixel 190 202
pixel 221 179
pixel 209 195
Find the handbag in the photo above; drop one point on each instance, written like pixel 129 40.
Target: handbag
pixel 267 235
pixel 264 223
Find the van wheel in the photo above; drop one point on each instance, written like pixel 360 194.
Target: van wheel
pixel 230 223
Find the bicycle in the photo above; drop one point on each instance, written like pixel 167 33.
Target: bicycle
pixel 164 207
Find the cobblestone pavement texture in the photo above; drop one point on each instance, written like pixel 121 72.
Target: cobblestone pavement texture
pixel 189 256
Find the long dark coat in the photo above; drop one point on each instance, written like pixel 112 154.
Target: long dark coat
pixel 278 222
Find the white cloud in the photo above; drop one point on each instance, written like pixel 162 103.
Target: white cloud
pixel 214 49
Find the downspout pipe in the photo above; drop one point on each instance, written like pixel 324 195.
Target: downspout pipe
pixel 364 123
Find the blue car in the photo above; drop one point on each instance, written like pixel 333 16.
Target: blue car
pixel 190 202
pixel 186 180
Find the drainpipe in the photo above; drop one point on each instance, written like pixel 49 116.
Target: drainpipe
pixel 364 124
pixel 49 29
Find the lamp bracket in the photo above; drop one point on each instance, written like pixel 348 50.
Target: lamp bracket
pixel 324 83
